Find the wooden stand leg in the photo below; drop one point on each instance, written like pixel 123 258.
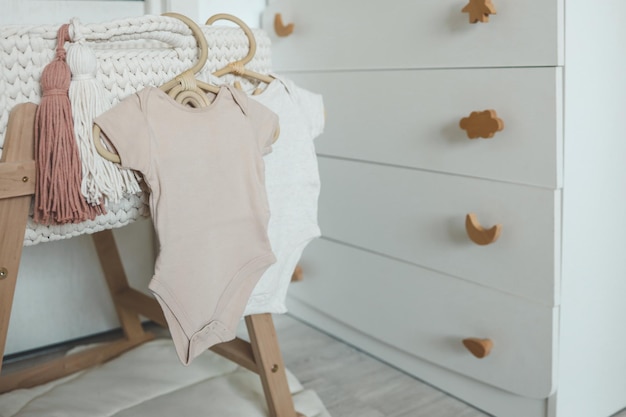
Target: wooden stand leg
pixel 270 366
pixel 117 282
pixel 262 355
pixel 19 147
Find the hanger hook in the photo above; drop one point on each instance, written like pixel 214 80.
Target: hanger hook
pixel 246 30
pixel 200 40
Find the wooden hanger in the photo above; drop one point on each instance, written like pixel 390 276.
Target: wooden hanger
pixel 238 67
pixel 184 88
pixel 186 85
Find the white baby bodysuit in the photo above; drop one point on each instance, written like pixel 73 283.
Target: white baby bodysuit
pixel 293 186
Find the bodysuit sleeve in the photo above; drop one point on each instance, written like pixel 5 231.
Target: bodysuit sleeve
pixel 126 126
pixel 265 124
pixel 312 105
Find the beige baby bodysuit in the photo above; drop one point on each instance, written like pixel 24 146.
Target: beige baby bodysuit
pixel 205 170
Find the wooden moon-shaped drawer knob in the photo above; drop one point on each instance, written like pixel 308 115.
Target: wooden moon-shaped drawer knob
pixel 479 234
pixel 479 10
pixel 478 347
pixel 482 124
pixel 280 28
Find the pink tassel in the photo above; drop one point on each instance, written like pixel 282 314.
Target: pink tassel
pixel 58 198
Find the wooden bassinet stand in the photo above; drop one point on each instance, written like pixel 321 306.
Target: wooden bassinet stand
pixel 17 187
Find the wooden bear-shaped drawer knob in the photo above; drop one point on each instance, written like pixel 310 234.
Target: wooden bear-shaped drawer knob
pixel 482 124
pixel 479 10
pixel 478 347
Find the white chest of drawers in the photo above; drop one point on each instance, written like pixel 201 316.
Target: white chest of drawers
pixel 395 272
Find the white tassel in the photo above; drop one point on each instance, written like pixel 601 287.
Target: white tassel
pixel 101 178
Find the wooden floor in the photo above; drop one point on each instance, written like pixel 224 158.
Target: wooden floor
pixel 349 382
pixel 353 384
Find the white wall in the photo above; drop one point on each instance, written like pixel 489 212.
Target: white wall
pixel 61 292
pixel 247 10
pixel 90 11
pixel 36 12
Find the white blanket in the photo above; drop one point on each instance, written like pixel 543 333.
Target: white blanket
pixel 150 381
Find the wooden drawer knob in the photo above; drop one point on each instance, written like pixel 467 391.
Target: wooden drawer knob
pixel 298 274
pixel 479 234
pixel 478 347
pixel 479 10
pixel 280 28
pixel 482 124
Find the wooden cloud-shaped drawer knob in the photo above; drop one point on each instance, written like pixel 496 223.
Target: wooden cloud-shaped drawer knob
pixel 479 10
pixel 479 234
pixel 482 124
pixel 478 347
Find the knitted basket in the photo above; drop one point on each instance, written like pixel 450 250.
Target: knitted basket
pixel 132 54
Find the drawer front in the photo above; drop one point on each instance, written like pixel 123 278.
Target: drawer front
pixel 411 118
pixel 403 34
pixel 420 216
pixel 428 314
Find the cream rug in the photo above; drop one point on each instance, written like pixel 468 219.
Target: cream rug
pixel 150 381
